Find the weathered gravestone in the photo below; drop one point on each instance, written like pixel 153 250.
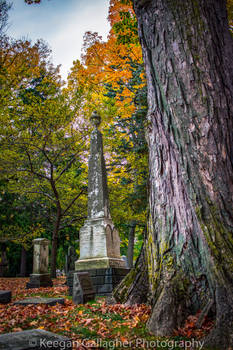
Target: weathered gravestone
pixel 82 288
pixel 40 276
pixel 4 264
pixel 5 296
pixel 40 300
pixel 71 257
pixel 34 339
pixel 99 239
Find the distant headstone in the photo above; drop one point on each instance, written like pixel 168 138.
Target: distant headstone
pixel 71 257
pixel 125 260
pixel 34 339
pixel 40 276
pixel 5 296
pixel 82 288
pixel 38 300
pixel 4 264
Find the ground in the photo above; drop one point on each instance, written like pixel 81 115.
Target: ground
pixel 93 325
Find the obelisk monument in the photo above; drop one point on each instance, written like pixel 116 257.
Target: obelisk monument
pixel 99 240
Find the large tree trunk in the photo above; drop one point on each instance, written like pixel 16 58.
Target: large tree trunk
pixel 188 54
pixel 134 288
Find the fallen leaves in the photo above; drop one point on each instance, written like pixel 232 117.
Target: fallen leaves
pixel 191 331
pixel 91 322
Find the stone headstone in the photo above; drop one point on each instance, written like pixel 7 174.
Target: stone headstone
pixel 40 276
pixel 82 288
pixel 5 296
pixel 99 240
pixel 125 260
pixel 34 339
pixel 71 257
pixel 39 300
pixel 4 264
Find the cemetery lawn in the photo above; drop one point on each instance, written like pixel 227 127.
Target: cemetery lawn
pixel 95 324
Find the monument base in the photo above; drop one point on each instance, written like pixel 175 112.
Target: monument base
pixel 104 280
pixel 98 263
pixel 39 280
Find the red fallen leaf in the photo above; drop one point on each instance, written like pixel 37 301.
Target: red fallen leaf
pixel 88 321
pixel 103 310
pixel 190 325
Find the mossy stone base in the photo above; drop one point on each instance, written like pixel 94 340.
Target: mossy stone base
pixel 98 263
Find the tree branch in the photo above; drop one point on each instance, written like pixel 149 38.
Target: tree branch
pixel 67 166
pixel 32 169
pixel 72 202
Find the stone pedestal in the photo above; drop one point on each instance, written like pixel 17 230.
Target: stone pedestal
pixel 103 280
pixel 39 280
pixel 40 276
pixel 99 245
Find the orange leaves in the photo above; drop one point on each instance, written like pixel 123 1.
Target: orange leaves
pixel 22 61
pixel 106 63
pixel 189 330
pixel 115 8
pixel 75 321
pixel 91 325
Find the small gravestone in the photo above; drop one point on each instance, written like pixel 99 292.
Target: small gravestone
pixel 38 300
pixel 4 264
pixel 71 257
pixel 5 296
pixel 82 288
pixel 40 276
pixel 34 339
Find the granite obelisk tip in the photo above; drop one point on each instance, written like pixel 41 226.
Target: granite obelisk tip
pixel 95 119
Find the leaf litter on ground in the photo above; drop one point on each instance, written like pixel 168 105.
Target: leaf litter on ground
pixel 90 325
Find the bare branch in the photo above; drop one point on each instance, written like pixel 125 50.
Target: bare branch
pixel 67 166
pixel 72 202
pixel 32 169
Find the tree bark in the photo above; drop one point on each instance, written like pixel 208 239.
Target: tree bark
pixel 55 242
pixel 188 52
pixel 23 262
pixel 131 238
pixel 134 288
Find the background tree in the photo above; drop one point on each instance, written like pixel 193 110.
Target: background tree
pixel 41 140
